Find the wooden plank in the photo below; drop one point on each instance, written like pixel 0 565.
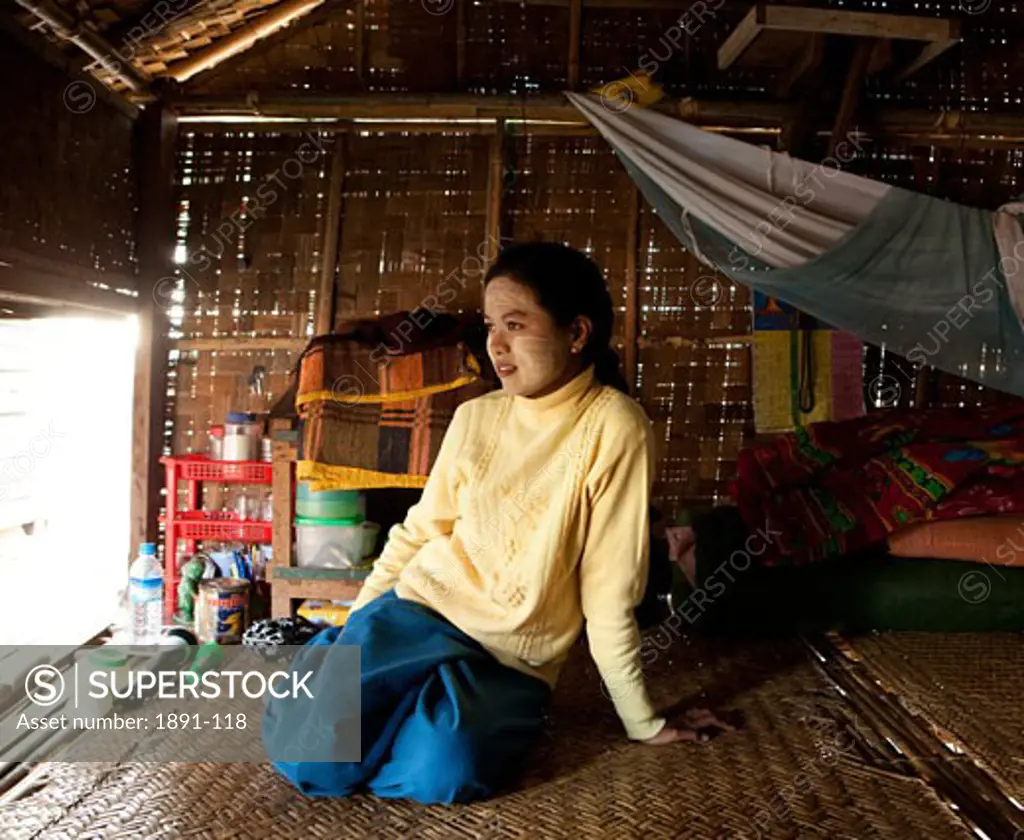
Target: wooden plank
pixel 295 573
pixel 632 325
pixel 282 469
pixel 857 24
pixel 741 37
pixel 324 321
pixel 155 138
pixel 851 92
pixel 575 23
pixel 284 592
pixel 235 344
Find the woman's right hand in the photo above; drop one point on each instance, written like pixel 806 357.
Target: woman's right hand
pixel 671 734
pixel 696 719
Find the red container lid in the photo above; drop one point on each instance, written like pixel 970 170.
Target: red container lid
pixel 217 431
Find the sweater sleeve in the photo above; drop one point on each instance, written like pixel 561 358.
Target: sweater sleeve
pixel 432 516
pixel 613 572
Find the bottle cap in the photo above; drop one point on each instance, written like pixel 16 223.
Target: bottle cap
pixel 148 548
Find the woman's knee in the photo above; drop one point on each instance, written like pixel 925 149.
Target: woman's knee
pixel 438 766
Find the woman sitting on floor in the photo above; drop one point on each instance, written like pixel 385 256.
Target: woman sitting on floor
pixel 534 519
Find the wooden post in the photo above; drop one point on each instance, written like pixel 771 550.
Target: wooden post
pixel 460 44
pixel 632 288
pixel 575 27
pixel 324 321
pixel 155 134
pixel 282 487
pixel 495 179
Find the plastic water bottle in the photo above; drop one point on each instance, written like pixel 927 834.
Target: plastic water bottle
pixel 146 597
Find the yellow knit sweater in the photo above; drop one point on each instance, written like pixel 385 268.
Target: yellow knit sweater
pixel 534 519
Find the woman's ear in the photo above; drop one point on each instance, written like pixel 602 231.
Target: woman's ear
pixel 582 329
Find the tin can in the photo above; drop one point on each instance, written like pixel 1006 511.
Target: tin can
pixel 222 610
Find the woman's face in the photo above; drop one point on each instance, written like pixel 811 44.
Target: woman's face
pixel 529 351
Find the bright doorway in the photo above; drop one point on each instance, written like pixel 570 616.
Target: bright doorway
pixel 65 475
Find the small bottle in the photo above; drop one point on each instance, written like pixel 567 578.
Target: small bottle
pixel 145 597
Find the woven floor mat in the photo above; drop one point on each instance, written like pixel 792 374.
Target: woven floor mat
pixel 971 684
pixel 790 772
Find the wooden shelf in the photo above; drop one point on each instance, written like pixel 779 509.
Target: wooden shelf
pixel 296 573
pixel 289 583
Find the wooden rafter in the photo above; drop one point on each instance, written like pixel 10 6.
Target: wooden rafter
pixel 56 57
pixel 807 62
pixel 851 91
pixel 265 44
pixel 238 42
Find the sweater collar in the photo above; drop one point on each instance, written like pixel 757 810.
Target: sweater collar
pixel 565 397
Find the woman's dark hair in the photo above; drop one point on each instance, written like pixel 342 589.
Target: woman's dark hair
pixel 567 283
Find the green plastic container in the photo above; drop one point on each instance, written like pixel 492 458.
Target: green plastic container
pixel 330 504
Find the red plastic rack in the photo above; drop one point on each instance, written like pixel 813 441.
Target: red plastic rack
pixel 204 525
pixel 192 525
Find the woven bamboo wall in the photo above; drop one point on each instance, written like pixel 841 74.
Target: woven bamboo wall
pixel 572 190
pixel 694 368
pixel 414 207
pixel 414 216
pixel 68 188
pixel 250 216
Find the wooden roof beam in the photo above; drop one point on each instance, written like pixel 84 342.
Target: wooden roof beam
pixel 764 17
pixel 980 129
pixel 90 42
pixel 237 42
pixel 382 106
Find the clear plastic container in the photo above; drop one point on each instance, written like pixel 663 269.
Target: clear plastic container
pixel 243 438
pixel 329 543
pixel 217 443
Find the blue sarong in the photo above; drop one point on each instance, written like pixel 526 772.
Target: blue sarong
pixel 442 720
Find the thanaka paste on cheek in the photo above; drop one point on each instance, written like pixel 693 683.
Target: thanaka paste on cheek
pixel 539 360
